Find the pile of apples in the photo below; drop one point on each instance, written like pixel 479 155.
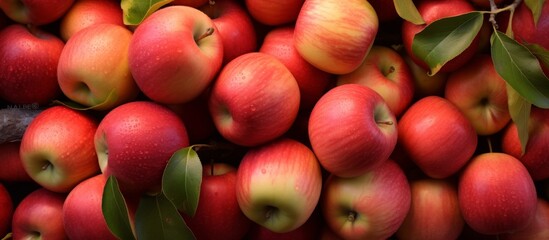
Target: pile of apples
pixel 312 119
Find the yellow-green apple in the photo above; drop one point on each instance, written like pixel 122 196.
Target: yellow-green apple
pixel 434 211
pixel 370 206
pixel 235 26
pixel 496 194
pixel 432 10
pixel 352 130
pixel 537 229
pixel 334 42
pixel 175 53
pixel 218 215
pixel 190 3
pixel 307 231
pixel 134 142
pixel 385 10
pixel 85 13
pixel 524 28
pixel 481 95
pixel 12 169
pixel 39 216
pixel 313 82
pixel 385 71
pixel 82 210
pixel 6 210
pixel 29 61
pixel 272 12
pixel 425 84
pixel 35 12
pixel 57 148
pixel 94 67
pixel 255 99
pixel 436 136
pixel 535 157
pixel 278 184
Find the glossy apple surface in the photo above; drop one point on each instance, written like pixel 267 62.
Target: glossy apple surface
pixel 84 13
pixel 524 29
pixel 537 229
pixel 352 130
pixel 255 99
pixel 273 12
pixel 35 12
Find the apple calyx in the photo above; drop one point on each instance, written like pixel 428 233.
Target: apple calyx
pixel 209 32
pixel 270 212
pixel 47 164
pixel 351 217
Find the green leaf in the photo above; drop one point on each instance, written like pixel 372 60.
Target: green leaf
pixel 520 69
pixel 182 179
pixel 135 11
pixel 519 109
pixel 408 11
pixel 115 210
pixel 77 106
pixel 158 219
pixel 446 38
pixel 541 53
pixel 535 6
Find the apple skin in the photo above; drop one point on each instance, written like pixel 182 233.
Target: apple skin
pixel 190 3
pixel 35 12
pixel 94 67
pixel 524 29
pixel 385 71
pixel 249 92
pixel 434 211
pixel 57 149
pixel 352 130
pixel 29 61
pixel 312 81
pixel 82 210
pixel 481 95
pixel 370 206
pixel 424 84
pixel 307 231
pixel 323 38
pixel 135 141
pixel 432 10
pixel 274 12
pixel 6 210
pixel 535 157
pixel 218 215
pixel 12 169
pixel 180 68
pixel 85 13
pixel 496 194
pixel 435 121
pixel 234 25
pixel 538 229
pixel 278 185
pixel 39 216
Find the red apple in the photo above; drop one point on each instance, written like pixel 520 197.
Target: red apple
pixel 29 62
pixel 352 130
pixel 312 81
pixel 536 157
pixel 369 206
pixel 274 12
pixel 82 210
pixel 278 185
pixel 437 136
pixel 12 169
pixel 334 42
pixel 496 194
pixel 6 210
pixel 481 95
pixel 175 53
pixel 190 3
pixel 94 67
pixel 57 148
pixel 85 13
pixel 425 84
pixel 385 71
pixel 432 10
pixel 234 25
pixel 434 212
pixel 35 12
pixel 385 10
pixel 537 229
pixel 307 231
pixel 134 142
pixel 524 28
pixel 255 99
pixel 218 215
pixel 39 216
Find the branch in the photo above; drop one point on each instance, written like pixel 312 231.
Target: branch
pixel 14 122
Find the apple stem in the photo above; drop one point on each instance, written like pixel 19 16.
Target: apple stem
pixel 489 140
pixel 390 70
pixel 208 32
pixel 269 212
pixel 385 122
pixel 46 166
